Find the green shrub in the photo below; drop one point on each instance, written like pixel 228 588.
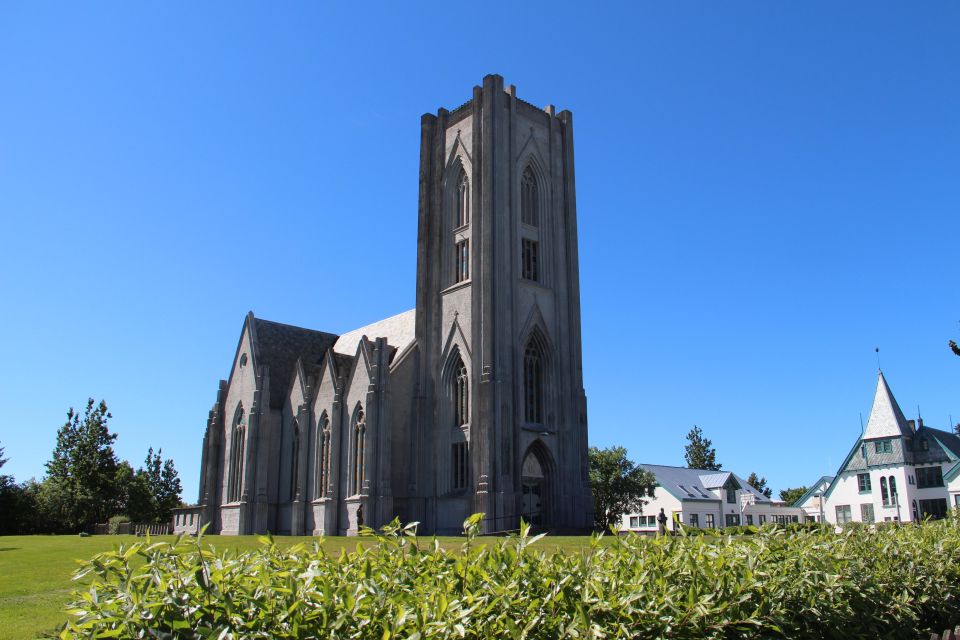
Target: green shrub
pixel 113 524
pixel 888 583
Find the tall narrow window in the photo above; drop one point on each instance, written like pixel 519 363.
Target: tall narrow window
pixel 237 443
pixel 529 268
pixel 461 396
pixel 893 490
pixel 462 266
pixel 460 465
pixel 463 200
pixel 295 462
pixel 323 457
pixel 533 383
pixel 359 445
pixel 529 198
pixel 883 490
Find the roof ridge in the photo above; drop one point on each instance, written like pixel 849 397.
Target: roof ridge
pixel 292 326
pixel 673 466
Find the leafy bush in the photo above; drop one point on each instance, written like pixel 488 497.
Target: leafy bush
pixel 113 525
pixel 889 583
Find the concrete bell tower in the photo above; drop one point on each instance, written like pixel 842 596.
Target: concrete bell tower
pixel 502 414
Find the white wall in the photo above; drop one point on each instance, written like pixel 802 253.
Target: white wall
pixel 846 492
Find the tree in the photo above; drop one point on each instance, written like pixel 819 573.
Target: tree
pixel 164 483
pixel 9 506
pixel 619 486
pixel 760 484
pixel 700 453
pixel 83 470
pixel 5 481
pixel 134 499
pixel 792 495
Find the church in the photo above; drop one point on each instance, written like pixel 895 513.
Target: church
pixel 471 402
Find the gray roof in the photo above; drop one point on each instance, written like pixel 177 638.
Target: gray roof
pixel 950 440
pixel 695 484
pixel 279 346
pixel 715 479
pixel 886 418
pixel 828 480
pixel 399 330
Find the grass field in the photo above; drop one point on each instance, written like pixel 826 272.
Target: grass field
pixel 36 572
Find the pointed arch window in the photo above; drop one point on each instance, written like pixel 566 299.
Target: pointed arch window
pixel 461 395
pixel 460 464
pixel 533 387
pixel 323 457
pixel 893 490
pixel 462 257
pixel 463 199
pixel 883 491
pixel 295 462
pixel 237 445
pixel 359 452
pixel 529 198
pixel 461 236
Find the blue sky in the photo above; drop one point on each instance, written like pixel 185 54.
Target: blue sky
pixel 767 191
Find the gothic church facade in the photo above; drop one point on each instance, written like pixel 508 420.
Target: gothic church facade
pixel 471 402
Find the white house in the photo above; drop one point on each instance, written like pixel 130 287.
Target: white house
pixel 898 469
pixel 706 499
pixel 812 501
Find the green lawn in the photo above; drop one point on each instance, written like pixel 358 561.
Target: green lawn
pixel 36 571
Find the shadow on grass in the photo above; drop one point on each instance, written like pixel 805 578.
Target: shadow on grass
pixel 9 548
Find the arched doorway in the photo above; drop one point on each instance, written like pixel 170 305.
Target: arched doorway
pixel 535 486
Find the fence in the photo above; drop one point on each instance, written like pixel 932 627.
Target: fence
pixel 135 528
pixel 947 635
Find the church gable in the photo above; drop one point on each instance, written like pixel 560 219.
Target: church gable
pixel 456 341
pixel 245 357
pixel 360 374
pixel 329 381
pixel 458 156
pixel 299 392
pixel 279 346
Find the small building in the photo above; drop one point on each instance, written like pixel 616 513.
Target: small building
pixel 897 470
pixel 707 499
pixel 812 501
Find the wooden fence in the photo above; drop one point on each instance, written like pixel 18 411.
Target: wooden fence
pixel 947 635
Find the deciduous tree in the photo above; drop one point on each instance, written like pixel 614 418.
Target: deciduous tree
pixel 792 495
pixel 619 486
